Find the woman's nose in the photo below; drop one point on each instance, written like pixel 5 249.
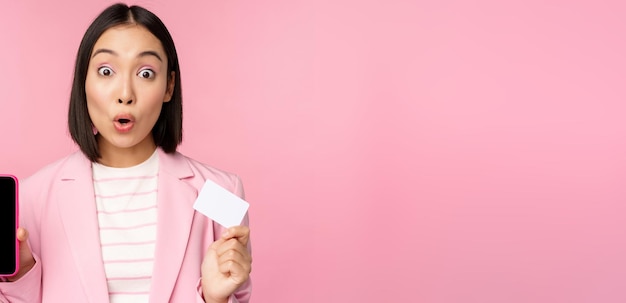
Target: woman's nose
pixel 126 92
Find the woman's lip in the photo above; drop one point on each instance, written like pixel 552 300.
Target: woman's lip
pixel 123 127
pixel 128 117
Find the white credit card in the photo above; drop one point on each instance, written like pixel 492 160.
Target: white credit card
pixel 220 205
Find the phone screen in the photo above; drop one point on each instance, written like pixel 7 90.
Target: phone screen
pixel 8 225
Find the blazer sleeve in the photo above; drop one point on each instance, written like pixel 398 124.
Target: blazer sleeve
pixel 242 294
pixel 28 288
pixel 25 290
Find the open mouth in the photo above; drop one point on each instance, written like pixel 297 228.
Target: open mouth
pixel 123 123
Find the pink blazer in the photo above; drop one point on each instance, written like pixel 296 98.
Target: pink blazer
pixel 58 209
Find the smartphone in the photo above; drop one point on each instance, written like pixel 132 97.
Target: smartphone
pixel 9 246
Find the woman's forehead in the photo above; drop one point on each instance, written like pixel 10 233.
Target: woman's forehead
pixel 128 40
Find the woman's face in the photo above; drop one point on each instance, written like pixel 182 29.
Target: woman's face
pixel 126 86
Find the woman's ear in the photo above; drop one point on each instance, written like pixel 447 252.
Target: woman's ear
pixel 169 91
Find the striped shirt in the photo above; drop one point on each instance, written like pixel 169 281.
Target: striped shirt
pixel 127 215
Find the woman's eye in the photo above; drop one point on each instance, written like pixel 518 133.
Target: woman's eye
pixel 105 71
pixel 146 73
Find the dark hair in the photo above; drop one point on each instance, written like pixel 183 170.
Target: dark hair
pixel 168 130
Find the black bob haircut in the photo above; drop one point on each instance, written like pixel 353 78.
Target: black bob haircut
pixel 168 130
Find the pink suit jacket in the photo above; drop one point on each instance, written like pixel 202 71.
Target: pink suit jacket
pixel 58 209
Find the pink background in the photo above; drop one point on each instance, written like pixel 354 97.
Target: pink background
pixel 393 151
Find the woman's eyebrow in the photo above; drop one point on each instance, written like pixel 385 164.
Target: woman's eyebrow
pixel 103 50
pixel 150 53
pixel 142 54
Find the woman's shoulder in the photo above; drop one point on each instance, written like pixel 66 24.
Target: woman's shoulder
pixel 203 171
pixel 42 181
pixel 58 167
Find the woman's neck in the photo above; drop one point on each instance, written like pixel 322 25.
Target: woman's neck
pixel 114 156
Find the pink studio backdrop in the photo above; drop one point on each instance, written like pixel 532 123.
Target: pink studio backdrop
pixel 392 151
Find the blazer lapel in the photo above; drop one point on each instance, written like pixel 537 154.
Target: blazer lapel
pixel 175 200
pixel 78 212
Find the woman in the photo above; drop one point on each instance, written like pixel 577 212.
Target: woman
pixel 114 222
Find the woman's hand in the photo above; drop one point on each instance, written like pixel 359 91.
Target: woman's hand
pixel 226 265
pixel 26 256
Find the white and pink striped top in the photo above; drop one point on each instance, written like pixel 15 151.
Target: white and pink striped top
pixel 126 200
